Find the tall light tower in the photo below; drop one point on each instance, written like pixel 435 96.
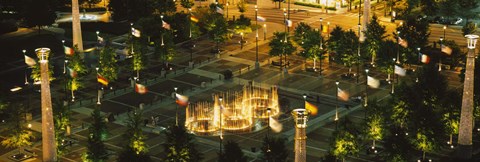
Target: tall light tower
pixel 257 64
pixel 48 131
pixel 466 116
pixel 301 117
pixel 76 28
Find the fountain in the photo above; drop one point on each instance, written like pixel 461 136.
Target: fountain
pixel 236 112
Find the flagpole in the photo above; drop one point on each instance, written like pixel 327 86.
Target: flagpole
pixel 440 58
pixel 393 77
pixel 98 89
pixel 336 102
pixel 366 88
pixel 26 79
pixel 257 64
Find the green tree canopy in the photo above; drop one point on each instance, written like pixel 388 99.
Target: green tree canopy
pixel 96 149
pixel 108 63
pixel 232 152
pixel 274 149
pixel 180 146
pixel 281 44
pixel 374 34
pixel 136 150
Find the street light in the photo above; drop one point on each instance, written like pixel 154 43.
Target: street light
pixel 227 10
pixel 264 32
pixel 358 51
pixel 393 77
pixel 440 57
pixel 241 40
pixel 285 19
pixel 444 28
pixel 398 47
pixel 176 108
pixel 328 30
pixel 98 90
pixel 366 87
pixel 336 102
pixel 26 79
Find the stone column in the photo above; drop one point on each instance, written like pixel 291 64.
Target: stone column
pixel 300 117
pixel 76 28
pixel 48 131
pixel 466 117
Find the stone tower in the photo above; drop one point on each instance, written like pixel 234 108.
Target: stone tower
pixel 48 131
pixel 301 117
pixel 76 28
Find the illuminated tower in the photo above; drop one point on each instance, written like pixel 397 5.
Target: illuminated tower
pixel 466 116
pixel 301 117
pixel 76 28
pixel 48 132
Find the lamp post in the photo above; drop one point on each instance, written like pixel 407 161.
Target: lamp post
pixel 398 47
pixel 336 102
pixel 440 57
pixel 358 52
pixel 227 10
pixel 264 32
pixel 65 75
pixel 419 54
pixel 288 1
pixel 393 77
pixel 241 40
pixel 321 26
pixel 26 79
pixel 257 64
pixel 176 107
pixel 366 87
pixel 444 28
pixel 98 89
pixel 328 30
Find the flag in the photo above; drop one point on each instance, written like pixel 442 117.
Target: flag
pixel 219 10
pixel 141 89
pixel 425 59
pixel 165 25
pixel 325 30
pixel 30 61
pixel 102 80
pixel 68 50
pixel 136 32
pixel 402 42
pixel 275 125
pixel 225 111
pixel 194 19
pixel 400 71
pixel 289 23
pixel 261 19
pixel 342 95
pixel 72 73
pixel 372 82
pixel 311 108
pixel 181 99
pixel 447 50
pixel 100 39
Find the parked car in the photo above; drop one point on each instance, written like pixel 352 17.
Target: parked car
pixel 447 21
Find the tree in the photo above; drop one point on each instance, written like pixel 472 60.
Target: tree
pixel 345 141
pixel 397 145
pixel 274 149
pixel 39 13
pixel 469 28
pixel 388 50
pixel 242 25
pixel 92 2
pixel 108 63
pixel 77 70
pixel 242 6
pixel 165 50
pixel 138 58
pixel 187 3
pixel 61 114
pixel 467 9
pixel 375 122
pixel 313 46
pixel 281 44
pixel 216 25
pixel 180 146
pixel 96 150
pixel 232 152
pixel 429 7
pixel 300 33
pixel 136 150
pixel 19 136
pixel 348 55
pixel 448 8
pixel 374 34
pixel 164 7
pixel 451 112
pixel 415 33
pixel 334 42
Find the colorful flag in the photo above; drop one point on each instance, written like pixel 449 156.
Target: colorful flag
pixel 219 10
pixel 289 23
pixel 342 95
pixel 181 99
pixel 68 50
pixel 141 89
pixel 372 82
pixel 447 50
pixel 165 25
pixel 402 42
pixel 102 80
pixel 325 30
pixel 261 19
pixel 400 71
pixel 136 32
pixel 425 59
pixel 30 61
pixel 72 73
pixel 275 125
pixel 194 19
pixel 100 39
pixel 311 108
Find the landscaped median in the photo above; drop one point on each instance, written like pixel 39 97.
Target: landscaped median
pixel 314 5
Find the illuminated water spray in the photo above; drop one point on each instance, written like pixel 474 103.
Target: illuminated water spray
pixel 237 113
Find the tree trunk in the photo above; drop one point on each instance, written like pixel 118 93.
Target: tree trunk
pixel 314 64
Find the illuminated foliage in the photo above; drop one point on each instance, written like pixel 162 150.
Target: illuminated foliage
pixel 374 36
pixel 61 119
pixel 136 149
pixel 96 150
pixel 108 64
pixel 345 145
pixel 19 136
pixel 179 146
pixel 274 149
pixel 281 45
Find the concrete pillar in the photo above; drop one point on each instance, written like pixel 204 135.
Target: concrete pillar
pixel 76 28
